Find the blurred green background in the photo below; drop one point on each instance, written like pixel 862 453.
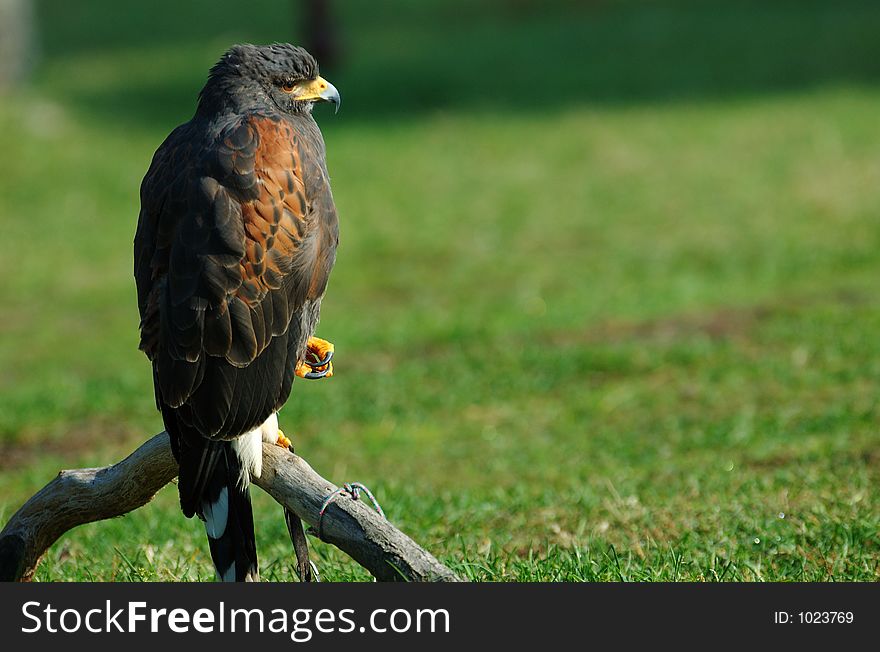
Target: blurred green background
pixel 605 305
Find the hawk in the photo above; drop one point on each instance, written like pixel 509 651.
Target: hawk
pixel 235 241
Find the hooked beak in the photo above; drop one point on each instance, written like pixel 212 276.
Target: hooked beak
pixel 317 90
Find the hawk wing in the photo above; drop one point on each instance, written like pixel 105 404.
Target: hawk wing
pixel 236 238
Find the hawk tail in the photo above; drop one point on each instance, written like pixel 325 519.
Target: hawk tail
pixel 225 507
pixel 214 482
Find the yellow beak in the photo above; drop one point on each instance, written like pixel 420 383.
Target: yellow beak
pixel 316 90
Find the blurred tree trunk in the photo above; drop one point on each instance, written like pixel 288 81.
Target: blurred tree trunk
pixel 16 41
pixel 320 32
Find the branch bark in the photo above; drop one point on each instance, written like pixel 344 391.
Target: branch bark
pixel 81 496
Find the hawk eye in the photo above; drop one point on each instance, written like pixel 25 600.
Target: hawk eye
pixel 287 86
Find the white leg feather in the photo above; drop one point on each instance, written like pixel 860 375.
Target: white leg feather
pixel 249 446
pixel 269 429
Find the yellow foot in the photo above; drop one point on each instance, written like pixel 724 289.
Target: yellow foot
pixel 283 441
pixel 317 363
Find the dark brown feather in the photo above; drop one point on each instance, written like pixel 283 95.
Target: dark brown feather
pixel 236 238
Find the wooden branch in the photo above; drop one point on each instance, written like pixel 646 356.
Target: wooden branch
pixel 82 496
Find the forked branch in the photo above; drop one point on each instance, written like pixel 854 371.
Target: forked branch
pixel 81 496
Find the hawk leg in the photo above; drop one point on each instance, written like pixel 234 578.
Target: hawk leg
pixel 317 362
pixel 306 569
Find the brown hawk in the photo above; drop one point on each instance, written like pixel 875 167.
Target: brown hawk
pixel 235 241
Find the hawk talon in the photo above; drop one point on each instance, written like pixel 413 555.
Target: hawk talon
pixel 311 372
pixel 315 375
pixel 317 361
pixel 320 363
pixel 283 441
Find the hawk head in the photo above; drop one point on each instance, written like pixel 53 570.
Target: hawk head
pixel 280 76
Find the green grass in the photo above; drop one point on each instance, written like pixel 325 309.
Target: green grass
pixel 605 305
